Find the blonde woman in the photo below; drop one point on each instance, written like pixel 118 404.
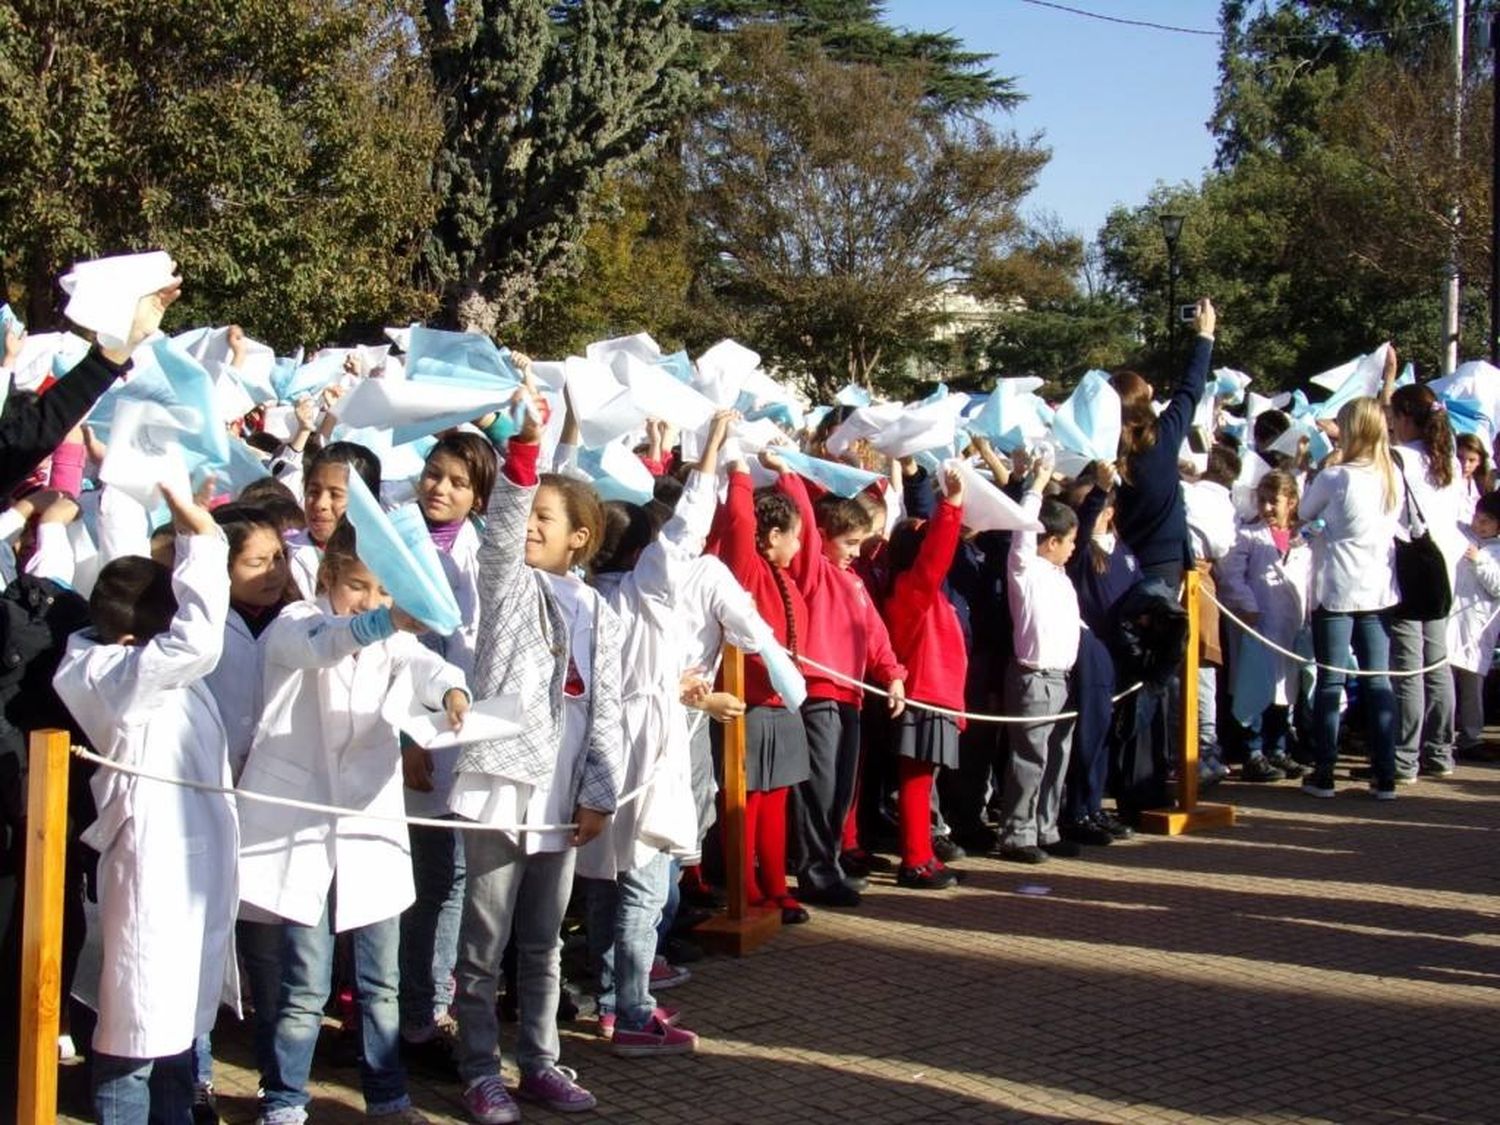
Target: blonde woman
pixel 1357 498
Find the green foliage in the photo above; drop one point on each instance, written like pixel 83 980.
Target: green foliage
pixel 829 207
pixel 543 104
pixel 277 150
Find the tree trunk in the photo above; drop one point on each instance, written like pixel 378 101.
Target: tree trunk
pixel 476 312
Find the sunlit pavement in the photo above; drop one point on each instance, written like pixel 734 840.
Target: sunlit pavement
pixel 1322 961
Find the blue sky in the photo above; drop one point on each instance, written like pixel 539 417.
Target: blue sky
pixel 1120 107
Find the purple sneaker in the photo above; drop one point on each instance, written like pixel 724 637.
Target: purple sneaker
pixel 556 1088
pixel 488 1102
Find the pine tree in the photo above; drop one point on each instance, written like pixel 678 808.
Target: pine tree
pixel 543 102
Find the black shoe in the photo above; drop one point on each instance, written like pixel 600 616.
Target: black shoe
pixel 860 883
pixel 1436 769
pixel 1319 783
pixel 1087 832
pixel 840 895
pixel 432 1058
pixel 704 897
pixel 205 1105
pixel 679 951
pixel 1021 853
pixel 861 862
pixel 688 919
pixel 1287 765
pixel 1063 849
pixel 931 877
pixel 1259 768
pixel 792 913
pixel 1113 825
pixel 979 840
pixel 946 850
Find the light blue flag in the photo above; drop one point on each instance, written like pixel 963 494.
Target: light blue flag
pixel 852 396
pixel 679 366
pixel 936 396
pixel 244 469
pixel 192 386
pixel 782 671
pixel 778 412
pixel 1408 375
pixel 1012 415
pixel 311 377
pixel 403 559
pixel 610 482
pixel 471 350
pixel 1466 416
pixel 816 415
pixel 10 323
pixel 283 371
pixel 1089 422
pixel 440 372
pixel 832 476
pixel 1300 407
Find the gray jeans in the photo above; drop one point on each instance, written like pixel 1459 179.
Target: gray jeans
pixel 509 895
pixel 622 915
pixel 1038 757
pixel 1424 704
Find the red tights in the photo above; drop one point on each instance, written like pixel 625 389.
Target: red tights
pixel 914 801
pixel 765 846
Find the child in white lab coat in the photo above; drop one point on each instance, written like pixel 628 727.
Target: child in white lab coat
pixel 325 496
pixel 1474 626
pixel 453 490
pixel 551 638
pixel 329 667
pixel 136 685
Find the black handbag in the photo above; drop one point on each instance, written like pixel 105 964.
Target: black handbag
pixel 1421 570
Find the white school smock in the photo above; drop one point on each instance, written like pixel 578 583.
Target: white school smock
pixel 1256 578
pixel 1442 507
pixel 304 558
pixel 1475 622
pixel 1354 556
pixel 323 738
pixel 167 853
pixel 237 684
pixel 461 567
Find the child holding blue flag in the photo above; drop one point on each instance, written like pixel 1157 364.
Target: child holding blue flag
pixel 329 666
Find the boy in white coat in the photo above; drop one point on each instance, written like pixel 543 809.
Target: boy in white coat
pixel 1474 626
pixel 167 853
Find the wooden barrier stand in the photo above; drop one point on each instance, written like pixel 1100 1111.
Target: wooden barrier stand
pixel 1188 815
pixel 743 927
pixel 41 943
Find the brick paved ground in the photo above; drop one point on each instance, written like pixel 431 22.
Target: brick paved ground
pixel 1323 961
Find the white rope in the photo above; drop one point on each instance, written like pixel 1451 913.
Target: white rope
pixel 335 810
pixel 1300 659
pixel 970 716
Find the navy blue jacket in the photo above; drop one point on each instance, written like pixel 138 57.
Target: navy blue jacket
pixel 1149 512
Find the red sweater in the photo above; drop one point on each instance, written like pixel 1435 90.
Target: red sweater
pixel 845 631
pixel 735 544
pixel 924 627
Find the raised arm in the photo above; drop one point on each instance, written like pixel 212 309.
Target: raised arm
pixel 1173 422
pixel 736 544
pixel 934 558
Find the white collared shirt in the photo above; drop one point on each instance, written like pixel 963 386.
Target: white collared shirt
pixel 1043 603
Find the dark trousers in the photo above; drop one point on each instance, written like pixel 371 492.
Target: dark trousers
pixel 1088 767
pixel 820 804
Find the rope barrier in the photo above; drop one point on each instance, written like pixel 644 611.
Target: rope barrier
pixel 1300 659
pixel 968 716
pixel 336 810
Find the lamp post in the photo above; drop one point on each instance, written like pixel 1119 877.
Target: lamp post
pixel 1171 230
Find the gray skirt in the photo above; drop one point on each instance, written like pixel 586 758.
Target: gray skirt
pixel 928 737
pixel 775 749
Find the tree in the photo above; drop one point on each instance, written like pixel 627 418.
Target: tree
pixel 268 146
pixel 831 206
pixel 543 103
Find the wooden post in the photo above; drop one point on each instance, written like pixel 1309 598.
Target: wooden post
pixel 743 927
pixel 41 943
pixel 1188 815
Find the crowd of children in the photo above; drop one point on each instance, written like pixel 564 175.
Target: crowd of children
pixel 251 648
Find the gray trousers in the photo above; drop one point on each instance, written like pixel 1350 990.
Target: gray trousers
pixel 705 786
pixel 1038 757
pixel 1468 689
pixel 1424 704
pixel 507 890
pixel 820 804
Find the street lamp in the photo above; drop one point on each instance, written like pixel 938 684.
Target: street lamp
pixel 1171 230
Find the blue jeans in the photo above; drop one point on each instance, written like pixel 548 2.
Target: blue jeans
pixel 669 911
pixel 1369 635
pixel 622 936
pixel 137 1091
pixel 307 971
pixel 429 928
pixel 259 945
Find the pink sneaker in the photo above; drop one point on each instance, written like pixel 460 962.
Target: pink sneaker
pixel 667 1016
pixel 665 975
pixel 556 1088
pixel 657 1039
pixel 489 1103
